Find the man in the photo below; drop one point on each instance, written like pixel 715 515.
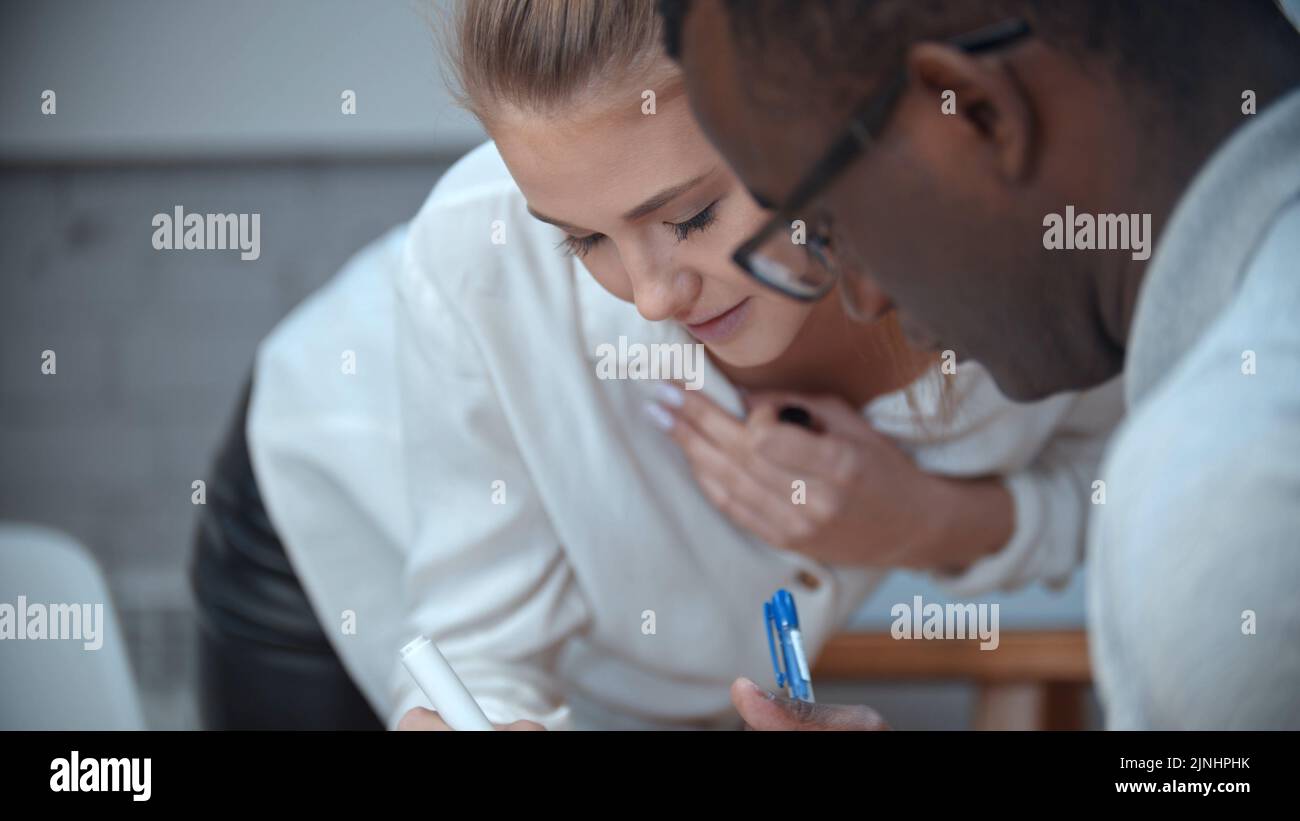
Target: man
pixel 1002 170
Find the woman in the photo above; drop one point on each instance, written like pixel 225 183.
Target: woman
pixel 462 470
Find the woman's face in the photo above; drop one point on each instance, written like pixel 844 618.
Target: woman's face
pixel 654 214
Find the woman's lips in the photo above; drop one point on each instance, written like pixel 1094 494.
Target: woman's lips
pixel 722 326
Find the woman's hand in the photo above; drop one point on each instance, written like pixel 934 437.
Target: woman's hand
pixel 418 718
pixel 846 495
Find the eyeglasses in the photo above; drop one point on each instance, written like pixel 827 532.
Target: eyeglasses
pixel 773 256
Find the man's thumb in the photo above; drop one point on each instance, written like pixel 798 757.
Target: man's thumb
pixel 763 710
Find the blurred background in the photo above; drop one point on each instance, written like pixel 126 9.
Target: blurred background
pixel 229 106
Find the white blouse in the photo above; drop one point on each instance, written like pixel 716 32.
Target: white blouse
pixel 439 457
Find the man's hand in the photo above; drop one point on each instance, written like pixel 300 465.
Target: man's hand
pixel 763 710
pixel 419 718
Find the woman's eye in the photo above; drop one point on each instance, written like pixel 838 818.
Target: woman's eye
pixel 698 222
pixel 579 246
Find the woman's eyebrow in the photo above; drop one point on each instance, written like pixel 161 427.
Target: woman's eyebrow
pixel 651 205
pixel 664 197
pixel 553 221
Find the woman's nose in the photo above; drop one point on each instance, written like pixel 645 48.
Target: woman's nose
pixel 664 296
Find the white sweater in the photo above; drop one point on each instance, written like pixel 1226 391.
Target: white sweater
pixel 475 364
pixel 1194 572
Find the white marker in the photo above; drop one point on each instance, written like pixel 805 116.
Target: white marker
pixel 439 682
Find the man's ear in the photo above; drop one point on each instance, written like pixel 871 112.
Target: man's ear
pixel 986 99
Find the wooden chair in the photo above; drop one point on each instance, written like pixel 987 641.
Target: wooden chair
pixel 1034 680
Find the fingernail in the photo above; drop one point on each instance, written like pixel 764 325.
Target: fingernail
pixel 661 418
pixel 795 415
pixel 765 693
pixel 670 394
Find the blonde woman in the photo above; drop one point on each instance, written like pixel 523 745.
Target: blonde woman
pixel 595 552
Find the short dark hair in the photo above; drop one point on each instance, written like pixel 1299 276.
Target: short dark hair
pixel 673 12
pixel 1171 48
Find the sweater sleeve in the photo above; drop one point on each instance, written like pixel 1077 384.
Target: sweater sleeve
pixel 1195 559
pixel 485 576
pixel 1051 496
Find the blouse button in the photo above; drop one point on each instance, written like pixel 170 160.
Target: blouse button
pixel 808 580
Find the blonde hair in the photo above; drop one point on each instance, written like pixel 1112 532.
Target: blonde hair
pixel 538 55
pixel 896 348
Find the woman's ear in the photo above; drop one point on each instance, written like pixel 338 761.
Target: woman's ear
pixel 863 300
pixel 981 99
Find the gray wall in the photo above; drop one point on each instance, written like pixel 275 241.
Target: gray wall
pixel 152 345
pixel 225 78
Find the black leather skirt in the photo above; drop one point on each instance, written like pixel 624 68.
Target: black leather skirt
pixel 263 659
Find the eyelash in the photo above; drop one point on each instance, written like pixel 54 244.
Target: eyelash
pixel 699 222
pixel 581 246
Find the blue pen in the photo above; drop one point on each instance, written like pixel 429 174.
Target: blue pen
pixel 792 667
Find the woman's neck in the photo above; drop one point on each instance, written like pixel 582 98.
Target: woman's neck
pixel 834 355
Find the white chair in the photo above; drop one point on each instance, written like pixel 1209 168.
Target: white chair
pixel 58 683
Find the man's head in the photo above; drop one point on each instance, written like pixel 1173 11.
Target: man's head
pixel 1109 107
